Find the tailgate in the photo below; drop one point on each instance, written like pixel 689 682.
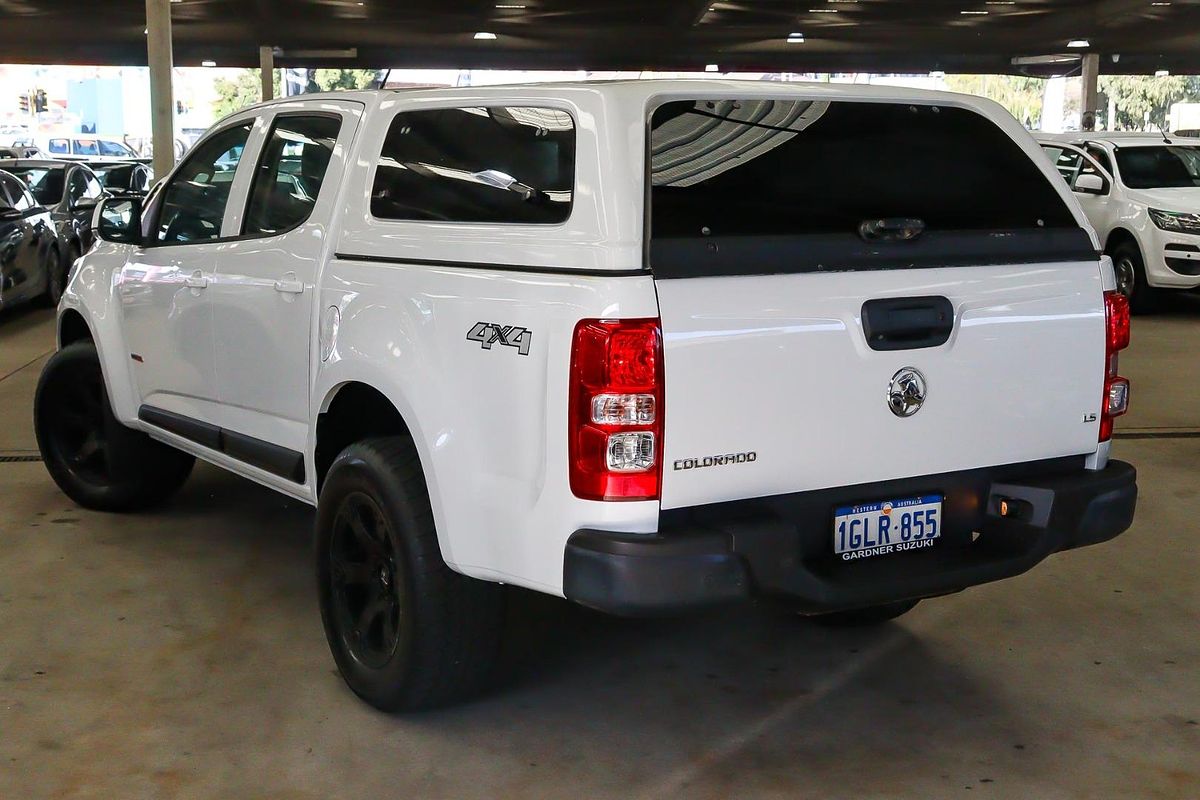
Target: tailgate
pixel 853 292
pixel 780 367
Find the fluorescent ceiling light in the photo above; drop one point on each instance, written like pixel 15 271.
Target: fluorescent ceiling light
pixel 485 35
pixel 822 11
pixel 794 38
pixel 510 5
pixel 712 67
pixel 1162 73
pixel 976 13
pixel 208 63
pixel 1079 43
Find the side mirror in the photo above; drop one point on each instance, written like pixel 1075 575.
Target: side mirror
pixel 118 219
pixel 1090 183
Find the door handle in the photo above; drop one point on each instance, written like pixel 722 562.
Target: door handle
pixel 289 284
pixel 196 280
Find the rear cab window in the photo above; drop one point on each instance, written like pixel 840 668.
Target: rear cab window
pixel 496 164
pixel 765 186
pixel 290 173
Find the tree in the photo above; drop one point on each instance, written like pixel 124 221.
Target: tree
pixel 1136 95
pixel 243 90
pixel 329 80
pixel 1021 96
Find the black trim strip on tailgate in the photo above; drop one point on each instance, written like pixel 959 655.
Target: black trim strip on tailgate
pixel 257 453
pixel 715 256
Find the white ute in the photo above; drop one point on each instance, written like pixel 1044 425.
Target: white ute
pixel 1141 192
pixel 650 346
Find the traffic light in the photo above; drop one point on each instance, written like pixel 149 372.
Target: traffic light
pixel 24 102
pixel 40 103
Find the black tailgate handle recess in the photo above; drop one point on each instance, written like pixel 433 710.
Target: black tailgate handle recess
pixel 891 229
pixel 907 323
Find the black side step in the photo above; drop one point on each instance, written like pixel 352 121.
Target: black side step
pixel 257 453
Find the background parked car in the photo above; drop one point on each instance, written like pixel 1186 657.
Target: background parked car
pixel 69 191
pixel 19 151
pixel 31 259
pixel 85 146
pixel 1141 192
pixel 123 177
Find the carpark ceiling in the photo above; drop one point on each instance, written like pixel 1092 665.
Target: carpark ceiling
pixel 839 35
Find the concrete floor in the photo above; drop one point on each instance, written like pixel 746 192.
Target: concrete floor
pixel 179 654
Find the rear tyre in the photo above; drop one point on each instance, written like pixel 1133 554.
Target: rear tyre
pixel 98 462
pixel 406 631
pixel 56 277
pixel 860 617
pixel 1130 271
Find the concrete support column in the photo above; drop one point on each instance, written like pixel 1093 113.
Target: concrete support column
pixel 1091 90
pixel 266 65
pixel 162 97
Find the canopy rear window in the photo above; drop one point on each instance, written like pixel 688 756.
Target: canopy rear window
pixel 764 186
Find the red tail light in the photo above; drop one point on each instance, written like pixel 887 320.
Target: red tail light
pixel 1115 401
pixel 616 413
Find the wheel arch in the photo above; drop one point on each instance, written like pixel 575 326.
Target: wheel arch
pixel 73 327
pixel 350 412
pixel 1117 237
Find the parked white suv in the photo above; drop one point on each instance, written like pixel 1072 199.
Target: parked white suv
pixel 648 345
pixel 1141 192
pixel 87 146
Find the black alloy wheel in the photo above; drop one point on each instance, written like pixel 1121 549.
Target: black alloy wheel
pixel 98 462
pixel 367 583
pixel 406 631
pixel 79 439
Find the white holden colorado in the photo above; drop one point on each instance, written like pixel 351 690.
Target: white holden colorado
pixel 650 346
pixel 1141 192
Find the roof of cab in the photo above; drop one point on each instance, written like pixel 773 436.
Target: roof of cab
pixel 634 89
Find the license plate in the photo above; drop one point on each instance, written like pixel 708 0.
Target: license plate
pixel 888 526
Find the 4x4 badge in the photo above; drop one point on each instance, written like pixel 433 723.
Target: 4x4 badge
pixel 489 333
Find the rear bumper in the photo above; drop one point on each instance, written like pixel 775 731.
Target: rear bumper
pixel 783 546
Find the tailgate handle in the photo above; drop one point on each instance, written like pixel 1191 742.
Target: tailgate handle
pixel 907 323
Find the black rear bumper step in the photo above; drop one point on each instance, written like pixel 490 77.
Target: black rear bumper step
pixel 783 546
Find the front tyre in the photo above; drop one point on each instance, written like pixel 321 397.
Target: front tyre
pixel 406 631
pixel 56 277
pixel 1130 271
pixel 98 462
